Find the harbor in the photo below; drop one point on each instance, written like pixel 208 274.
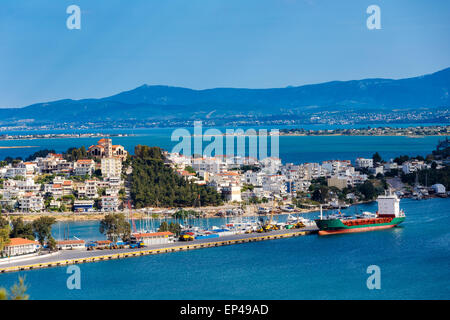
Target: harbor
pixel 68 257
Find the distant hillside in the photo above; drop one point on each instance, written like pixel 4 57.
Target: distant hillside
pixel 164 102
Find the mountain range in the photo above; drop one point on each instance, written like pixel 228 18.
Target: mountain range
pixel 158 102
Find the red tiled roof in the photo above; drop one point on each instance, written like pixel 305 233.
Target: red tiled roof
pixel 84 161
pixel 96 145
pixel 56 155
pixel 19 242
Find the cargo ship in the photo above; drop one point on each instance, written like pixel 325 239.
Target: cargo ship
pixel 388 215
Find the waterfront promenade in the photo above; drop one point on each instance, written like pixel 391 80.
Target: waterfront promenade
pixel 67 257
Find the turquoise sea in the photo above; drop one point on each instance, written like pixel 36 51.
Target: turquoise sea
pixel 414 258
pixel 414 261
pixel 296 149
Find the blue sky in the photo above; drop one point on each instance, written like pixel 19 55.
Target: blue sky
pixel 211 43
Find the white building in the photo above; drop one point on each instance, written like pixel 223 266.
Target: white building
pixel 110 203
pixel 336 167
pixel 232 193
pixel 12 172
pixel 363 163
pixel 413 166
pixel 91 189
pixel 377 170
pixel 19 246
pixel 391 165
pixel 438 188
pixel 84 167
pixel 54 163
pixel 31 203
pixel 111 167
pixel 271 165
pixel 154 238
pixel 70 244
pixel 310 171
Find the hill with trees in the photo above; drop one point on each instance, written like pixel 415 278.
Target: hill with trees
pixel 154 183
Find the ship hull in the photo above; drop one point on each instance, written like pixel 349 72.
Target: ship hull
pixel 337 226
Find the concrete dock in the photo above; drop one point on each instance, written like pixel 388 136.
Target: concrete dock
pixel 68 257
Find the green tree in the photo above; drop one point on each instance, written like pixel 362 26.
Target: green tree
pixel 401 159
pixel 115 226
pixel 74 154
pixel 163 227
pixel 3 222
pixel 184 214
pixel 21 229
pixel 51 242
pixel 42 228
pixel 368 190
pixel 175 228
pixel 39 154
pixel 153 183
pixel 376 157
pixel 4 237
pixel 320 194
pixel 189 169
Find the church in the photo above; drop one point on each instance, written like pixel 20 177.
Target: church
pixel 105 149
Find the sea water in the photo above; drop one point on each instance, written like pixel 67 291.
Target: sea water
pixel 414 262
pixel 294 149
pixel 414 258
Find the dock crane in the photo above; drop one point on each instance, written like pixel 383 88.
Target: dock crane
pixel 269 226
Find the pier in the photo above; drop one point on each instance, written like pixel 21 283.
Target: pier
pixel 68 257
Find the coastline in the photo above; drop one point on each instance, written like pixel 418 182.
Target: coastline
pixel 17 147
pixel 67 257
pixel 210 212
pixel 360 135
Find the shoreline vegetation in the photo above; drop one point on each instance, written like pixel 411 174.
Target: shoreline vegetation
pixel 210 212
pixel 411 132
pixel 419 131
pixel 7 137
pixel 17 147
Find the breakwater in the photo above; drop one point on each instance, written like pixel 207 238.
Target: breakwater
pixel 97 256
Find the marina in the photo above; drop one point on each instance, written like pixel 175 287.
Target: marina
pixel 69 257
pixel 285 268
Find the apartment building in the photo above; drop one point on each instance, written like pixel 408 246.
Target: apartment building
pixel 363 163
pixel 83 167
pixel 31 202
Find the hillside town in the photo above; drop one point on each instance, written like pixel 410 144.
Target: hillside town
pixel 52 183
pixel 97 184
pixel 245 180
pixel 412 131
